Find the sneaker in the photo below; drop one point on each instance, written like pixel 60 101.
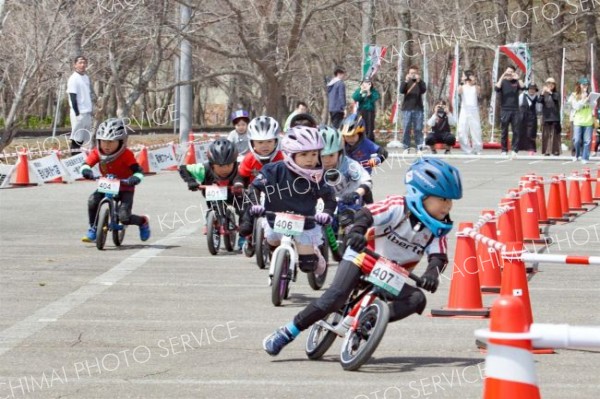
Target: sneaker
pixel 446 152
pixel 321 264
pixel 574 159
pixel 531 153
pixel 433 151
pixel 513 154
pixel 274 343
pixel 90 236
pixel 145 230
pixel 503 154
pixel 584 161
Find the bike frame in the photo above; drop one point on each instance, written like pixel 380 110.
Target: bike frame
pixel 288 244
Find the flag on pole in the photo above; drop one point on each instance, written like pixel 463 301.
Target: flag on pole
pixel 520 54
pixel 372 56
pixel 453 94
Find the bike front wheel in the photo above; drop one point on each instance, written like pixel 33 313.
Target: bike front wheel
pixel 359 345
pixel 320 339
pixel 281 277
pixel 260 245
pixel 102 225
pixel 213 237
pixel 230 231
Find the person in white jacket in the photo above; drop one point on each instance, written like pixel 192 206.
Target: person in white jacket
pixel 469 123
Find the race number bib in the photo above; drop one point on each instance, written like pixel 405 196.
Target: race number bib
pixel 108 186
pixel 289 224
pixel 388 275
pixel 216 193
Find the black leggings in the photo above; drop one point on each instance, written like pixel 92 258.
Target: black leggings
pixel 125 216
pixel 410 300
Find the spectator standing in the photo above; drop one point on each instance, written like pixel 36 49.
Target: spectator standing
pixel 529 105
pixel 509 87
pixel 336 97
pixel 413 89
pixel 81 95
pixel 469 122
pixel 367 96
pixel 551 129
pixel 583 120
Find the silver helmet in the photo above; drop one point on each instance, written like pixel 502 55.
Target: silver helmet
pixel 112 130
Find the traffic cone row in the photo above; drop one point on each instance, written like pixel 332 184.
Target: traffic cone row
pixel 480 268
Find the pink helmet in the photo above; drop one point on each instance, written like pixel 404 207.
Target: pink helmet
pixel 302 139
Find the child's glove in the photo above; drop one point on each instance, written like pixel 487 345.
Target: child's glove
pixel 323 218
pixel 87 174
pixel 132 181
pixel 257 210
pixel 238 188
pixel 193 185
pixel 374 162
pixel 350 198
pixel 356 241
pixel 430 281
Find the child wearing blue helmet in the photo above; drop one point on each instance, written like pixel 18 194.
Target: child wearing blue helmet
pixel 401 228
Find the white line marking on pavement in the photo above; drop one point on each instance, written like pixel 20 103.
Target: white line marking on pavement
pixel 17 333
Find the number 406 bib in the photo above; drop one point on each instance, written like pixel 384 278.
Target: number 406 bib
pixel 289 224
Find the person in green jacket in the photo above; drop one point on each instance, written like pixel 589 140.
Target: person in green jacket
pixel 583 120
pixel 367 96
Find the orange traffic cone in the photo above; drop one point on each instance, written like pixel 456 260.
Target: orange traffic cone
pixel 514 276
pixel 506 222
pixel 529 216
pixel 465 292
pixel 514 193
pixel 541 200
pixel 586 188
pixel 142 160
pixel 190 156
pixel 597 190
pixel 574 194
pixel 488 259
pixel 555 209
pixel 564 198
pixel 509 365
pixel 21 176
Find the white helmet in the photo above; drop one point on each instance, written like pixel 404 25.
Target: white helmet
pixel 264 128
pixel 112 130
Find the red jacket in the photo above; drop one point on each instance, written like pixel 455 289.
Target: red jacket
pixel 122 167
pixel 250 166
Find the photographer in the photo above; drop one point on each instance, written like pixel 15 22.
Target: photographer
pixel 469 122
pixel 413 89
pixel 440 123
pixel 509 87
pixel 366 96
pixel 550 99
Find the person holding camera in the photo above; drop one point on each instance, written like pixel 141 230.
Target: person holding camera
pixel 413 89
pixel 509 87
pixel 366 96
pixel 550 100
pixel 469 123
pixel 440 123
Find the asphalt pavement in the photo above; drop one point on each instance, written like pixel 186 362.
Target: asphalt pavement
pixel 165 319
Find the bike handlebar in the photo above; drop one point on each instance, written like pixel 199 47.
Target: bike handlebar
pixel 112 177
pixel 412 276
pixel 271 213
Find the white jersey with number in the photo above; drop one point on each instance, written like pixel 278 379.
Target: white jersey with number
pixel 393 236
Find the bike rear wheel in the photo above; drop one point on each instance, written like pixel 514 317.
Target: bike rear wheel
pixel 102 225
pixel 230 230
pixel 317 282
pixel 359 345
pixel 262 248
pixel 281 277
pixel 320 339
pixel 213 237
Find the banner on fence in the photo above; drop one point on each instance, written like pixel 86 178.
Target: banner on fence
pixel 162 158
pixel 73 166
pixel 50 168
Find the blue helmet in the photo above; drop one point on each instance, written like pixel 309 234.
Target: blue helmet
pixel 431 177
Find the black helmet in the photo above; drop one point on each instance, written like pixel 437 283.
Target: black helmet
pixel 222 152
pixel 303 120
